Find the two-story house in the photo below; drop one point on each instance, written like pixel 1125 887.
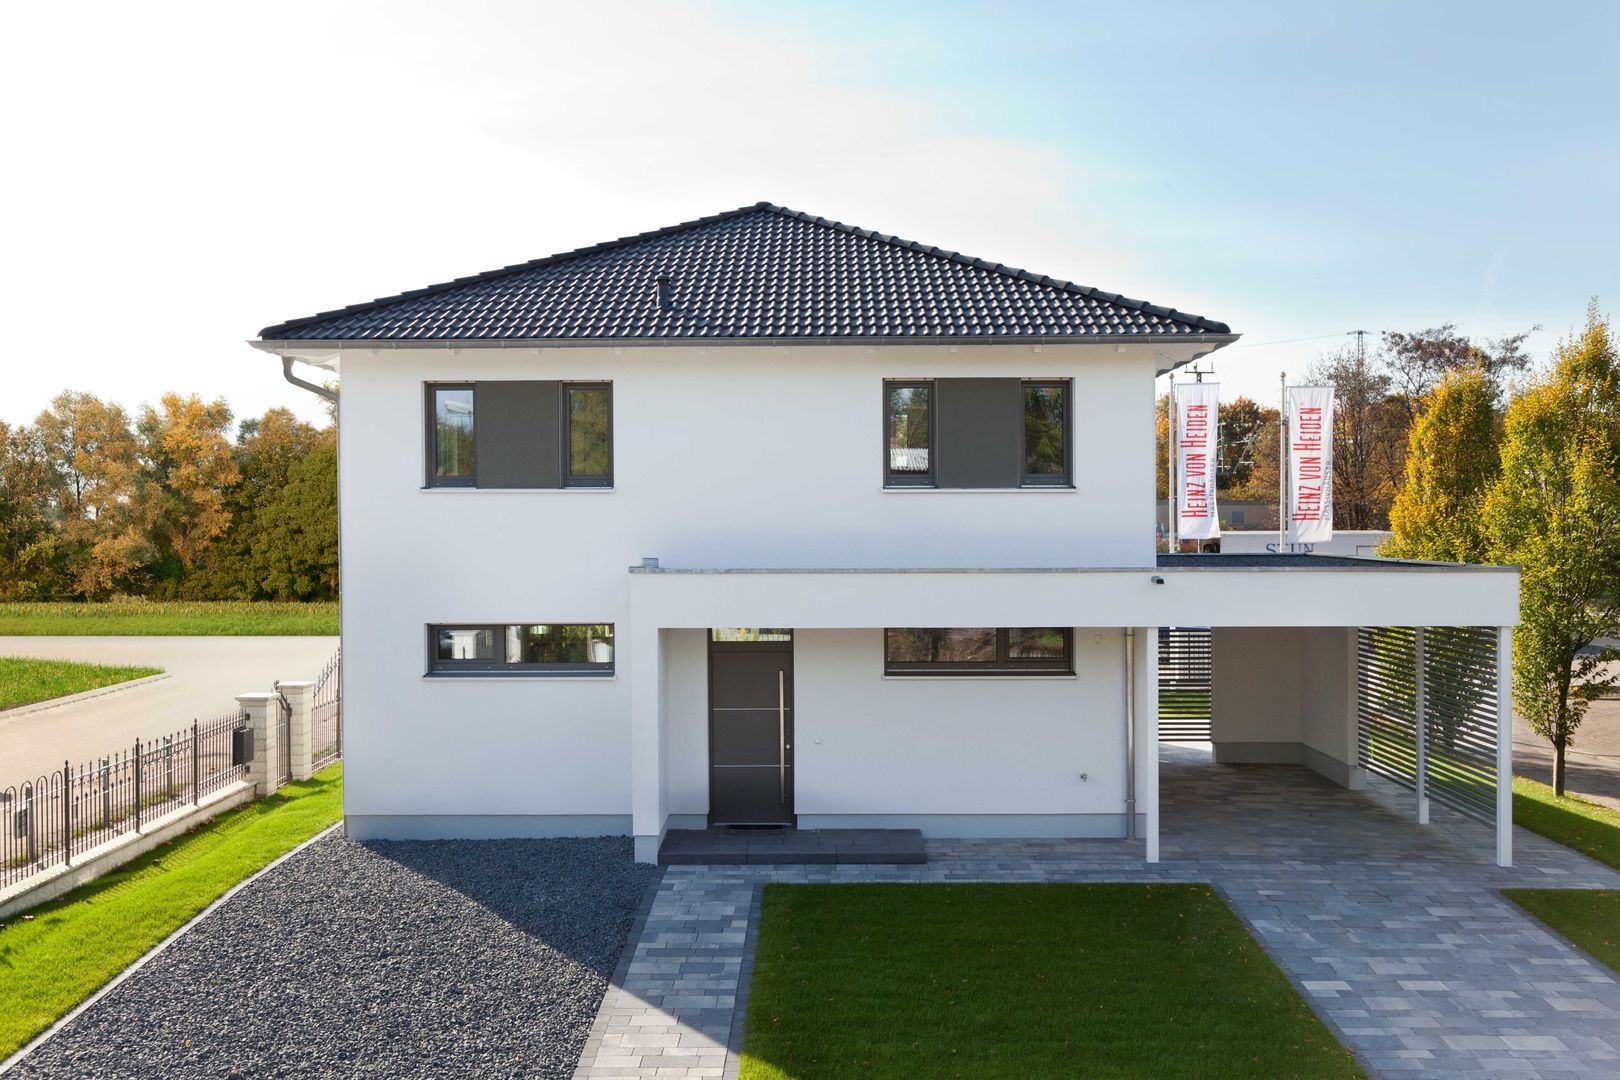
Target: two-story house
pixel 762 519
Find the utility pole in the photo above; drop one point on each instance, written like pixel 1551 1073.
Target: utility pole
pixel 1361 344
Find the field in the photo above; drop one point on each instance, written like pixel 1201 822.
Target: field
pixel 25 680
pixel 185 618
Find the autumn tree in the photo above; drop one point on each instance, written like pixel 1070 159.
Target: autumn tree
pixel 189 469
pixel 1451 460
pixel 1418 360
pixel 30 543
pixel 1369 438
pixel 1555 511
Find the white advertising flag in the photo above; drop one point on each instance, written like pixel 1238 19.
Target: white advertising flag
pixel 1197 427
pixel 1310 464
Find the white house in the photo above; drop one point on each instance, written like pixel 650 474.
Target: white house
pixel 764 519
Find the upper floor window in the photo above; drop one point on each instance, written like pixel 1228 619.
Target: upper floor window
pixel 977 433
pixel 520 434
pixel 1040 650
pixel 535 648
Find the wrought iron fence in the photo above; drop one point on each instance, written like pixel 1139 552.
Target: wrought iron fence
pixel 326 721
pixel 52 818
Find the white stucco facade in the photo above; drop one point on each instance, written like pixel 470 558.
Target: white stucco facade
pixel 753 474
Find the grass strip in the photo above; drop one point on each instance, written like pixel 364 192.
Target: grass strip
pixel 145 618
pixel 1590 918
pixel 58 954
pixel 1026 980
pixel 25 680
pixel 1589 828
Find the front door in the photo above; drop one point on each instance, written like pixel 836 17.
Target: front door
pixel 750 726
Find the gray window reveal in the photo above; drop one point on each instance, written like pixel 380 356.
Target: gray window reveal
pixel 977 433
pixel 520 434
pixel 521 648
pixel 1035 650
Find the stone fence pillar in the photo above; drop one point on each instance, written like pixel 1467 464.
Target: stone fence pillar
pixel 301 696
pixel 264 720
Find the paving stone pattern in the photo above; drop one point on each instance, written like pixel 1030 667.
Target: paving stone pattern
pixel 1394 932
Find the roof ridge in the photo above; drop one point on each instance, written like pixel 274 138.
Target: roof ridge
pixel 513 268
pixel 1088 291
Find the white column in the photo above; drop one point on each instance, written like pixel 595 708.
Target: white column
pixel 264 720
pixel 1421 712
pixel 1504 746
pixel 1147 737
pixel 647 794
pixel 301 696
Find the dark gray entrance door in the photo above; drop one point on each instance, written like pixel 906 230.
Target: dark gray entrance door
pixel 750 727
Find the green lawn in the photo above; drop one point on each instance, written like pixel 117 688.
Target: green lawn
pixel 1588 917
pixel 183 618
pixel 53 957
pixel 1587 827
pixel 1024 980
pixel 25 680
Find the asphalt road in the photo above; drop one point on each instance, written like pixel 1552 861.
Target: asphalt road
pixel 204 676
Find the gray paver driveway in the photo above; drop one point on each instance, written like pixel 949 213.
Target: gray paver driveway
pixel 1394 932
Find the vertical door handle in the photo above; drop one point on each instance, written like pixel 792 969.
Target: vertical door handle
pixel 781 736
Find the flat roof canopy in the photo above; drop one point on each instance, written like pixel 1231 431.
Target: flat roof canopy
pixel 1181 590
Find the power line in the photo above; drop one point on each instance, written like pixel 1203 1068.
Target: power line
pixel 1287 341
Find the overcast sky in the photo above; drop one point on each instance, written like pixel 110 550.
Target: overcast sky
pixel 178 176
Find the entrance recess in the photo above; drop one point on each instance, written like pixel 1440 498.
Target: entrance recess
pixel 750 726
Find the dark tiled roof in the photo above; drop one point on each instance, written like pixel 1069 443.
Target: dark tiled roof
pixel 761 272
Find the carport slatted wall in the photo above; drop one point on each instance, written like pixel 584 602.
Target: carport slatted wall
pixel 1456 694
pixel 1185 683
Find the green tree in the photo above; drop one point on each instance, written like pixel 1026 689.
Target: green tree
pixel 294 539
pixel 1451 461
pixel 1555 511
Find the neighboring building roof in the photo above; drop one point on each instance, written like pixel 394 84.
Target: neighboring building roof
pixel 761 272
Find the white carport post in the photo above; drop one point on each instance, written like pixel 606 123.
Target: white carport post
pixel 1147 737
pixel 1504 746
pixel 646 739
pixel 1421 783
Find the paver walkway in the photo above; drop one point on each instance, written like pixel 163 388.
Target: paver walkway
pixel 1394 932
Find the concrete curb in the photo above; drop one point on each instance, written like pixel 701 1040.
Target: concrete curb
pixel 112 984
pixel 86 695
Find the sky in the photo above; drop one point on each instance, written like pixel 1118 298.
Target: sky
pixel 180 175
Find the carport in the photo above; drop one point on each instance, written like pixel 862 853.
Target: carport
pixel 1392 668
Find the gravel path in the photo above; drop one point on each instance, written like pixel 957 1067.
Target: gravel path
pixel 442 959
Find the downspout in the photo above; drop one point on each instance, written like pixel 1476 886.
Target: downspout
pixel 314 388
pixel 1130 733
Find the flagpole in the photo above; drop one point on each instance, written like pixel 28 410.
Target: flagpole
pixel 1282 464
pixel 1170 475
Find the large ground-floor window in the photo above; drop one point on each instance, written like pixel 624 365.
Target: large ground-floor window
pixel 521 648
pixel 1026 650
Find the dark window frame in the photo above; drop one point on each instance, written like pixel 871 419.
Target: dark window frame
pixel 1002 665
pixel 569 480
pixel 910 479
pixel 431 427
pixel 1066 478
pixel 499 665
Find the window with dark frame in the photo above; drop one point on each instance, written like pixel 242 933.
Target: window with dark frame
pixel 451 419
pixel 547 435
pixel 521 648
pixel 908 424
pixel 1040 650
pixel 1032 426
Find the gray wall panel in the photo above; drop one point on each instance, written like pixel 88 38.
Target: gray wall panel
pixel 979 428
pixel 517 434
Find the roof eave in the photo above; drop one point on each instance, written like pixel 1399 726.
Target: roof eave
pixel 281 346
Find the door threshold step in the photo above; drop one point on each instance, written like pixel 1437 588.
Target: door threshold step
pixel 786 847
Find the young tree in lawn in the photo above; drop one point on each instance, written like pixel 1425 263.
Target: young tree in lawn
pixel 1451 460
pixel 1555 511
